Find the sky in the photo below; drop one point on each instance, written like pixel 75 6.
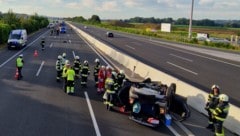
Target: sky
pixel 125 9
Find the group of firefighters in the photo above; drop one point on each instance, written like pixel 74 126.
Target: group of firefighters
pixel 107 80
pixel 217 107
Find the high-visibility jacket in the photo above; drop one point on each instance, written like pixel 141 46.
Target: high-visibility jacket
pixel 109 85
pixel 120 78
pixel 85 71
pixel 96 70
pixel 58 65
pixel 221 111
pixel 64 73
pixel 213 101
pixel 77 65
pixel 70 74
pixel 19 62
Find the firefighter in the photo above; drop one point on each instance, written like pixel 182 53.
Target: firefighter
pixel 84 73
pixel 101 79
pixel 70 74
pixel 96 70
pixel 108 71
pixel 109 86
pixel 77 66
pixel 220 114
pixel 120 77
pixel 64 75
pixel 59 67
pixel 19 65
pixel 213 99
pixel 63 59
pixel 43 43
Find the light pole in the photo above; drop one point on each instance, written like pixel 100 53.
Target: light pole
pixel 190 22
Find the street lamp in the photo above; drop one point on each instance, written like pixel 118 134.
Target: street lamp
pixel 190 22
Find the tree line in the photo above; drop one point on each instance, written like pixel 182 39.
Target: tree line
pixel 95 19
pixel 11 20
pixel 185 21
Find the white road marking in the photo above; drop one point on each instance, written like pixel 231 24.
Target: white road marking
pixel 181 57
pixel 94 49
pixel 19 52
pixel 92 115
pixel 194 54
pixel 173 130
pixel 73 54
pixel 187 131
pixel 183 68
pixel 40 68
pixel 130 47
pixel 51 45
pixel 70 41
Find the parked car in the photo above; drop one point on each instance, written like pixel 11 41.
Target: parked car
pixel 17 39
pixel 109 34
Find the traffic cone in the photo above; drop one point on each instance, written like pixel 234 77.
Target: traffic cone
pixel 16 74
pixel 35 53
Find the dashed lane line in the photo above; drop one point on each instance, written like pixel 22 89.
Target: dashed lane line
pixel 180 67
pixel 40 68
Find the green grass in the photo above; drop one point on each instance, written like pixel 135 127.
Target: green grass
pixel 180 34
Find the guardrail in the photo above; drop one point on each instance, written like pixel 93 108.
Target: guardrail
pixel 196 98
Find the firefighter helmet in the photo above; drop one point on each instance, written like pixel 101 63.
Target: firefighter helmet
pixel 59 57
pixel 64 55
pixel 215 86
pixel 76 57
pixel 85 62
pixel 121 71
pixel 223 97
pixel 97 60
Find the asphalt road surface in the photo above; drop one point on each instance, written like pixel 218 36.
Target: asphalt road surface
pixel 38 106
pixel 195 68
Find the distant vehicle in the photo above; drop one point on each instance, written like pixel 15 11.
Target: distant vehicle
pixel 217 40
pixel 110 34
pixel 17 39
pixel 51 25
pixel 202 36
pixel 62 29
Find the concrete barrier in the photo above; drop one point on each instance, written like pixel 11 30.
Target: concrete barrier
pixel 196 98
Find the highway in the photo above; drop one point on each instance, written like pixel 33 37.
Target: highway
pixel 37 105
pixel 198 69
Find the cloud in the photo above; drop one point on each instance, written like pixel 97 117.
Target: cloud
pixel 132 3
pixel 73 5
pixel 206 2
pixel 88 3
pixel 108 6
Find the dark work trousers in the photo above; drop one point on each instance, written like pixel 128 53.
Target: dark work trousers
pixel 19 72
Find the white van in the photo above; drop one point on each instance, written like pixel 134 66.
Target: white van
pixel 17 39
